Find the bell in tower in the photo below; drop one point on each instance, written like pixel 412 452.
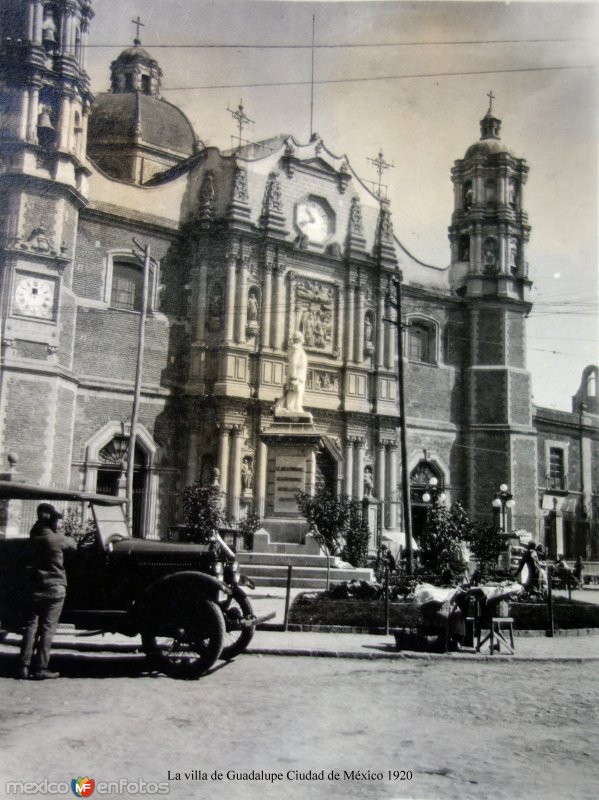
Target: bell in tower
pixel 49 29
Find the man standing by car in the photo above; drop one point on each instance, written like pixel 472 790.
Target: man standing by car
pixel 47 592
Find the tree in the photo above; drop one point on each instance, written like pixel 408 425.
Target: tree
pixel 327 515
pixel 338 524
pixel 487 543
pixel 445 529
pixel 202 511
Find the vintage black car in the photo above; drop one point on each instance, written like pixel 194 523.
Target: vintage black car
pixel 185 600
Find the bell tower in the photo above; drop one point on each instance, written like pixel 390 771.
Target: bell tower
pixel 489 234
pixel 44 105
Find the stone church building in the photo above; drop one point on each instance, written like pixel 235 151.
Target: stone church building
pixel 248 247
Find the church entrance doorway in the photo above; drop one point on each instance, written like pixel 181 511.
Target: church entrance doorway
pixel 419 483
pixel 111 476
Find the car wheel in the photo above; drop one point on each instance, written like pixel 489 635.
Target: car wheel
pixel 188 640
pixel 237 637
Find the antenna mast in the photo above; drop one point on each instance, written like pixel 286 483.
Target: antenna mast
pixel 312 82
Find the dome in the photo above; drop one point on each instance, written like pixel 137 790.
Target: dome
pixel 487 147
pixel 137 118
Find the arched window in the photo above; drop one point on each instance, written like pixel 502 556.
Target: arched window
pixel 422 342
pixel 468 195
pixel 490 192
pixel 127 286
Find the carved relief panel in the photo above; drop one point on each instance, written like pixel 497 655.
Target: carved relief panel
pixel 315 305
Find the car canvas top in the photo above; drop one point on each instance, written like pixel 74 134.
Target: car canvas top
pixel 13 490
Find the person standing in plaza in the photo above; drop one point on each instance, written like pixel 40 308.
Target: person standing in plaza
pixel 47 592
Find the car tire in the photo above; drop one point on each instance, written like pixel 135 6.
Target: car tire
pixel 237 638
pixel 186 639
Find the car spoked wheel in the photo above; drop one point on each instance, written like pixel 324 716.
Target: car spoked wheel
pixel 237 636
pixel 188 641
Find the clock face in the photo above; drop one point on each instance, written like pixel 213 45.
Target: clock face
pixel 34 297
pixel 314 221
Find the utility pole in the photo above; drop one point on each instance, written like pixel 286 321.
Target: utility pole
pixel 138 374
pixel 403 429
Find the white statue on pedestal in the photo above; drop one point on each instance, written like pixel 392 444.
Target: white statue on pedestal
pixel 297 367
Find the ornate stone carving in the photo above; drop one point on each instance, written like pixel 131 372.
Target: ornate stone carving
pixel 355 216
pixel 315 309
pixel 344 176
pixel 489 255
pixel 253 312
pixel 272 194
pixel 240 186
pixel 318 380
pixel 215 307
pixel 207 197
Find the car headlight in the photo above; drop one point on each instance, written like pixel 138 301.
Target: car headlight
pixel 218 570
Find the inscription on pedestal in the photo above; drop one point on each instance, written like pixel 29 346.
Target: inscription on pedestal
pixel 289 479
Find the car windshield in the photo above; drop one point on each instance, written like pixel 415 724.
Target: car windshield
pixel 110 521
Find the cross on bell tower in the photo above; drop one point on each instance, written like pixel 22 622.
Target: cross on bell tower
pixel 381 167
pixel 242 119
pixel 138 24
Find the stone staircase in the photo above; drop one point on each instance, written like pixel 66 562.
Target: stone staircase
pixel 267 564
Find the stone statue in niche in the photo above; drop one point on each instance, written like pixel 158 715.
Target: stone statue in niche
pixel 368 482
pixel 297 367
pixel 513 192
pixel 247 475
pixel 215 308
pixel 368 329
pixel 252 309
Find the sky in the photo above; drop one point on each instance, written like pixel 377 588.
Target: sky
pixel 381 83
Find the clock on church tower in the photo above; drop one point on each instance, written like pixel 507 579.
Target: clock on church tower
pixel 34 296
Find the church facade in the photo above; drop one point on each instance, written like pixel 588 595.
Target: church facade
pixel 247 248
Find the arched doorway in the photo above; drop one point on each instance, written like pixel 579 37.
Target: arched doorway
pixel 104 470
pixel 419 481
pixel 111 476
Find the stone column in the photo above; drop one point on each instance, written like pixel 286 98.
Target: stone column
pixel 32 113
pixel 279 310
pixel 392 493
pixel 349 323
pixel 64 124
pixel 235 472
pixel 223 457
pixel 476 250
pixel 24 116
pixel 260 484
pixel 242 302
pixel 37 22
pixel 83 137
pixel 349 466
pixel 503 254
pixel 201 301
pixel 359 468
pixel 230 298
pixel 192 456
pixel 380 339
pixel 380 481
pixel 266 306
pixel 359 354
pixel 390 344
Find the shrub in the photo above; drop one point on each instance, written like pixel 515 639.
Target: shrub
pixel 338 524
pixel 438 543
pixel 247 527
pixel 486 543
pixel 202 512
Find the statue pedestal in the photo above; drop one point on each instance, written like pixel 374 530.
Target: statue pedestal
pixel 291 468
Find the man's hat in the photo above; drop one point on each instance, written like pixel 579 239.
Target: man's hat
pixel 48 510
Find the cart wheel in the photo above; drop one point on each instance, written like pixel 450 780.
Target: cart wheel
pixel 237 637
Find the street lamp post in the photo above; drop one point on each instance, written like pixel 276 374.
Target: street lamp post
pixel 434 493
pixel 503 501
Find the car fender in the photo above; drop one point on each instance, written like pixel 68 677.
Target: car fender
pixel 186 582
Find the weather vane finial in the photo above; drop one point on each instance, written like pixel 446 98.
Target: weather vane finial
pixel 381 166
pixel 491 97
pixel 139 24
pixel 241 118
